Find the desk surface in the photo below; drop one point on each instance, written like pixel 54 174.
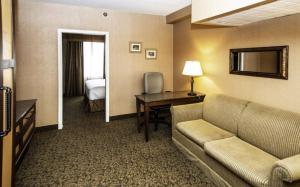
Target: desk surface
pixel 166 96
pixel 22 107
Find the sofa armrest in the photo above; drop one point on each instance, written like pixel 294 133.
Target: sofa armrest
pixel 286 170
pixel 186 113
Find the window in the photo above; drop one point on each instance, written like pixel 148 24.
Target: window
pixel 93 58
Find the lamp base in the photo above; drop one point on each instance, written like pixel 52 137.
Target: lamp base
pixel 192 94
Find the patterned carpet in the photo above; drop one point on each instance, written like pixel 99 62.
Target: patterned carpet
pixel 88 152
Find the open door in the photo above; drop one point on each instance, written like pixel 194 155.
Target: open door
pixel 7 96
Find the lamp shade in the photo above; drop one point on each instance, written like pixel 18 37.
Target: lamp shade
pixel 192 68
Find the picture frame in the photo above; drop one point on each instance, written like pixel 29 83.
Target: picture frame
pixel 135 47
pixel 151 54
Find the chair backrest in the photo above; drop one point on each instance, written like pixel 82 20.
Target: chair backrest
pixel 153 82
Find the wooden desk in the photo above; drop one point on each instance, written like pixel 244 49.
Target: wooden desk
pixel 166 98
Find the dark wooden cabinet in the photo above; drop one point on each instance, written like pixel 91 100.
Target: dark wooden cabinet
pixel 24 128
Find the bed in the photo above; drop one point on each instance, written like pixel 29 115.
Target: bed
pixel 95 94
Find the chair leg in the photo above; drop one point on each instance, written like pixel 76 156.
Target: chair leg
pixel 156 121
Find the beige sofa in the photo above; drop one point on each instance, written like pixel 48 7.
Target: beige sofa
pixel 239 143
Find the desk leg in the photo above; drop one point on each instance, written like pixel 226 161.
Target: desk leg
pixel 138 111
pixel 146 111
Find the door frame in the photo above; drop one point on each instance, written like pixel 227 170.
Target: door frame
pixel 1 96
pixel 10 66
pixel 1 128
pixel 60 32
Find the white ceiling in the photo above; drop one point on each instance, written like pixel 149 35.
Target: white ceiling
pixel 154 7
pixel 275 9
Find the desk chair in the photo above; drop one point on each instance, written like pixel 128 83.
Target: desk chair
pixel 154 83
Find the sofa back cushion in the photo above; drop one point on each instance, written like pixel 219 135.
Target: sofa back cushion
pixel 272 130
pixel 223 111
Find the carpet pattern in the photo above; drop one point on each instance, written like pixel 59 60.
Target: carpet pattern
pixel 88 152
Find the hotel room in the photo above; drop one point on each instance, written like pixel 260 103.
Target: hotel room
pixel 150 93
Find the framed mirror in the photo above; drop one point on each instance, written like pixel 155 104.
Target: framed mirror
pixel 269 62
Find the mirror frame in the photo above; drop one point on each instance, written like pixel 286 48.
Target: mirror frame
pixel 283 63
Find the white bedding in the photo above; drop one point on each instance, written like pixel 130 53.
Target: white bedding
pixel 95 89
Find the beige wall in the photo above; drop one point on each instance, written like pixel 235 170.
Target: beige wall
pixel 211 47
pixel 37 52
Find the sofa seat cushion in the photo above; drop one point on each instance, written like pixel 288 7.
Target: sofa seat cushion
pixel 201 131
pixel 248 162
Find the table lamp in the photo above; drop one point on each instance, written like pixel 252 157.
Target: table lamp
pixel 192 69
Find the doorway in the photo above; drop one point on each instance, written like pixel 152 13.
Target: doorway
pixel 91 77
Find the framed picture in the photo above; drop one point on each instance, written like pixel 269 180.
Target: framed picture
pixel 151 54
pixel 135 47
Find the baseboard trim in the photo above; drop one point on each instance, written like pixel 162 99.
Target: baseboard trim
pixel 123 116
pixel 46 128
pixel 130 115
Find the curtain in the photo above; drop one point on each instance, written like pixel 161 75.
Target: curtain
pixel 93 60
pixel 73 68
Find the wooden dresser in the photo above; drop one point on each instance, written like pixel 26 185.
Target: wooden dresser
pixel 24 128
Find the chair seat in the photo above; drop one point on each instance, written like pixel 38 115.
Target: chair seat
pixel 250 163
pixel 201 131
